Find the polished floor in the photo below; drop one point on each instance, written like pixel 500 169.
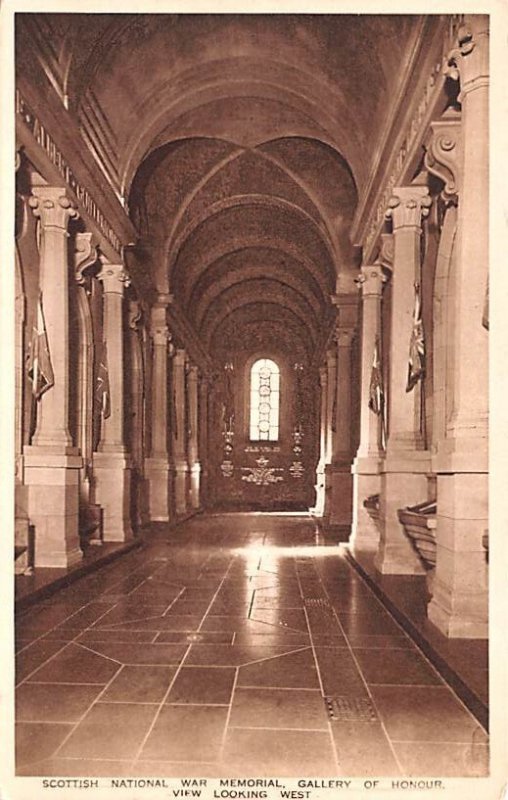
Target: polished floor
pixel 236 645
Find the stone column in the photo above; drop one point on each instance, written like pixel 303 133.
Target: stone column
pixel 52 464
pixel 194 462
pixel 180 463
pixel 320 470
pixel 204 390
pixel 158 464
pixel 459 606
pixel 366 466
pixel 339 511
pixel 331 371
pixel 403 480
pixel 112 466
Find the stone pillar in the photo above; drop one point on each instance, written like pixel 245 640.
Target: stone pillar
pixel 194 462
pixel 459 606
pixel 158 464
pixel 320 470
pixel 403 478
pixel 339 511
pixel 366 466
pixel 181 466
pixel 112 466
pixel 331 371
pixel 52 464
pixel 203 401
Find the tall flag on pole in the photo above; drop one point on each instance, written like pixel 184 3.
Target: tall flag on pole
pixel 102 392
pixel 416 366
pixel 376 390
pixel 40 369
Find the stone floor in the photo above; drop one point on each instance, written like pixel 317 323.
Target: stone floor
pixel 236 645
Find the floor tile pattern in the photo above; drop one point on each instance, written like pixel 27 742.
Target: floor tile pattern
pixel 239 644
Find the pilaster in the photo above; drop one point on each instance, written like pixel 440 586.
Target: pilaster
pixel 403 476
pixel 158 464
pixel 112 466
pixel 51 463
pixel 366 466
pixel 459 605
pixel 194 462
pixel 180 463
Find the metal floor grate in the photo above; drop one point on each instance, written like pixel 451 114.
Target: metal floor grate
pixel 319 602
pixel 341 708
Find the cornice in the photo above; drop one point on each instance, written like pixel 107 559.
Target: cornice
pixel 52 142
pixel 401 143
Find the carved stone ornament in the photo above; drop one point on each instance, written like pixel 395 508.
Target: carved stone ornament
pixel 408 206
pixel 135 315
pixel 227 469
pixel 114 277
pixel 85 255
pixel 444 154
pixel 297 470
pixel 262 475
pixel 52 207
pixel 370 280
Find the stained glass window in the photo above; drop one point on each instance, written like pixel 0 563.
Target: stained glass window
pixel 264 400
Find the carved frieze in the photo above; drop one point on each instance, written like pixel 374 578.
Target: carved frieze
pixel 45 141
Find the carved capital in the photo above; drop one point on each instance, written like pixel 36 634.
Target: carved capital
pixel 114 278
pixel 180 358
pixel 371 280
pixel 52 206
pixel 408 206
pixel 323 376
pixel 85 255
pixel 344 337
pixel 468 60
pixel 444 151
pixel 193 373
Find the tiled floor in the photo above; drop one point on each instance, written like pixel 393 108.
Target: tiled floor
pixel 237 645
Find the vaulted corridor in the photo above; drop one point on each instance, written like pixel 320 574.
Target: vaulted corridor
pixel 242 645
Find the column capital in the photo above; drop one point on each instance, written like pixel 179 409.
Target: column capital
pixel 323 375
pixel 370 279
pixel 331 357
pixel 114 277
pixel 53 206
pixel 180 357
pixel 444 153
pixel 85 255
pixel 408 206
pixel 193 372
pixel 344 336
pixel 468 60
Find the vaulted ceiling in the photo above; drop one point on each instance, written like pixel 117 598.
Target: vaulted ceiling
pixel 240 144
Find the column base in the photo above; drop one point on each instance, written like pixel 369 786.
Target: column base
pixel 158 476
pixel 53 505
pixel 181 471
pixel 194 493
pixel 456 626
pixel 365 533
pixel 459 606
pixel 339 498
pixel 403 483
pixel 112 492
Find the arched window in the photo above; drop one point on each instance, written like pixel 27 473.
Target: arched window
pixel 264 400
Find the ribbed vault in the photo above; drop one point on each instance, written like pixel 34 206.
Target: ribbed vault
pixel 240 148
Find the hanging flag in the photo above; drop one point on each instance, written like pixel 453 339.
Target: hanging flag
pixel 102 392
pixel 416 366
pixel 40 369
pixel 228 406
pixel 376 391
